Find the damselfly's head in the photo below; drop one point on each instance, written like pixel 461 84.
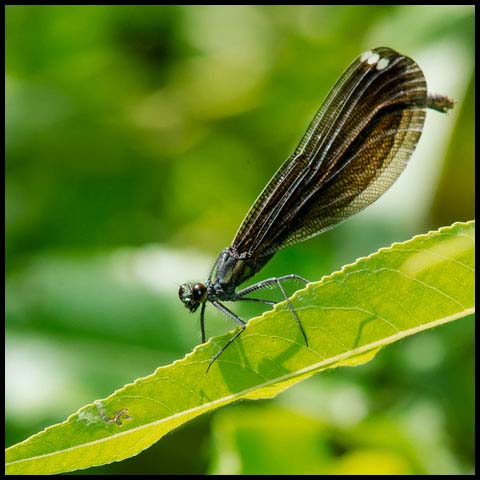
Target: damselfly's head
pixel 193 295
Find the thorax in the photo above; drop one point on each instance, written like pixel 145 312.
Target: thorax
pixel 229 271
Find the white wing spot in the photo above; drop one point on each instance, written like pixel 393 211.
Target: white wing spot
pixel 370 57
pixel 365 56
pixel 383 62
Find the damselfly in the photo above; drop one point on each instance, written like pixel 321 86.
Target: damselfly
pixel 354 149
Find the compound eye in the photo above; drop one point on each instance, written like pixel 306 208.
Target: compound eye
pixel 199 292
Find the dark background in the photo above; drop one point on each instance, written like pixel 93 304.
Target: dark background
pixel 136 140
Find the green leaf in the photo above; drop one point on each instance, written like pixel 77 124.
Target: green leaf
pixel 348 316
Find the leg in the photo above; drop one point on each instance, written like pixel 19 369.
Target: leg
pixel 235 318
pixel 290 306
pixel 276 281
pixel 261 300
pixel 267 282
pixel 202 321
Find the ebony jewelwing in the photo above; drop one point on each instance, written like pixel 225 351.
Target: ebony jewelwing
pixel 356 146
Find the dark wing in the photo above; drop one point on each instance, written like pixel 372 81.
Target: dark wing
pixel 354 149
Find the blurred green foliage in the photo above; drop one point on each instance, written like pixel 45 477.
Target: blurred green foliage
pixel 136 139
